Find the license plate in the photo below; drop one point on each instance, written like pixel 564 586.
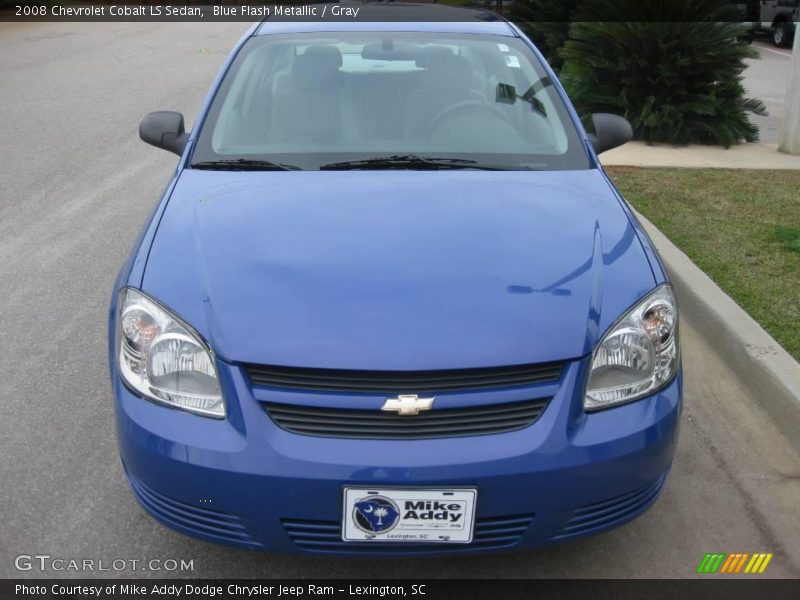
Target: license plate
pixel 408 515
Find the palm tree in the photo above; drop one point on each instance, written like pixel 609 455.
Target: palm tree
pixel 673 68
pixel 380 513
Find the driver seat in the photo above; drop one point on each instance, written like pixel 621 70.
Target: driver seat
pixel 311 107
pixel 448 80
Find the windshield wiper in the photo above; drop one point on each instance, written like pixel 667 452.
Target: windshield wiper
pixel 243 164
pixel 411 161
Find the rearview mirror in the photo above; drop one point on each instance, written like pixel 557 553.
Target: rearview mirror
pixel 610 131
pixel 164 129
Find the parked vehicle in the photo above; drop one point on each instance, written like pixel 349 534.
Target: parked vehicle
pixel 778 18
pixel 390 303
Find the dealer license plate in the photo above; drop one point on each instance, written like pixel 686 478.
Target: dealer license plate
pixel 408 515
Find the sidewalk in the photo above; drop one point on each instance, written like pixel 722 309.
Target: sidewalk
pixel 742 156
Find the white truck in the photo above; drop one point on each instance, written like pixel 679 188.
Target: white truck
pixel 779 19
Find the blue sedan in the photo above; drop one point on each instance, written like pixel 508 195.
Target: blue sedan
pixel 390 303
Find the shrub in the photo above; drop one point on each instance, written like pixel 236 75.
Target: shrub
pixel 546 22
pixel 672 67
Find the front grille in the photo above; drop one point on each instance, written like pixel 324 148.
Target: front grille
pixel 375 424
pixel 326 536
pixel 609 513
pixel 414 382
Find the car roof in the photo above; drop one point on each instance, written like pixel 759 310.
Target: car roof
pixel 392 16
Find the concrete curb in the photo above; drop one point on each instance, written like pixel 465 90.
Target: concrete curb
pixel 753 155
pixel 764 368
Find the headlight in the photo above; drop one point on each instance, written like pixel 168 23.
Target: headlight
pixel 163 360
pixel 638 356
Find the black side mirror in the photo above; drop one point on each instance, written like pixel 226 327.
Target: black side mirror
pixel 164 129
pixel 610 131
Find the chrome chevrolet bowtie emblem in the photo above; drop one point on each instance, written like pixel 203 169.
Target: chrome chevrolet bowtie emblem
pixel 407 404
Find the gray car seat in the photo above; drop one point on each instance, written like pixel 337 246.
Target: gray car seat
pixel 310 107
pixel 448 80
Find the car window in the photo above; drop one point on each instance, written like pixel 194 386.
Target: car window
pixel 313 99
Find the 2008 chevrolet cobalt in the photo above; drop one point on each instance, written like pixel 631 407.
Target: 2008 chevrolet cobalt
pixel 391 303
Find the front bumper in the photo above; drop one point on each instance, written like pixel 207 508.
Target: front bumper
pixel 244 481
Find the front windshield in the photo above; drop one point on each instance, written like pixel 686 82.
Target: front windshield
pixel 313 100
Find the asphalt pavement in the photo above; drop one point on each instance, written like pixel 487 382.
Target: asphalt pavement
pixel 76 185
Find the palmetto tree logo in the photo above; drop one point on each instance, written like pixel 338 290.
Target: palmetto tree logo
pixel 375 514
pixel 380 513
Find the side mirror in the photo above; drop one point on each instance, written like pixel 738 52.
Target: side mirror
pixel 164 129
pixel 610 131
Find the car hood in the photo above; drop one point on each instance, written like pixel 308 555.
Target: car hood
pixel 397 270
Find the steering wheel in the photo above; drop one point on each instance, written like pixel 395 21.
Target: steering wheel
pixel 466 107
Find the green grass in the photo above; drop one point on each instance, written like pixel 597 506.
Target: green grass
pixel 742 227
